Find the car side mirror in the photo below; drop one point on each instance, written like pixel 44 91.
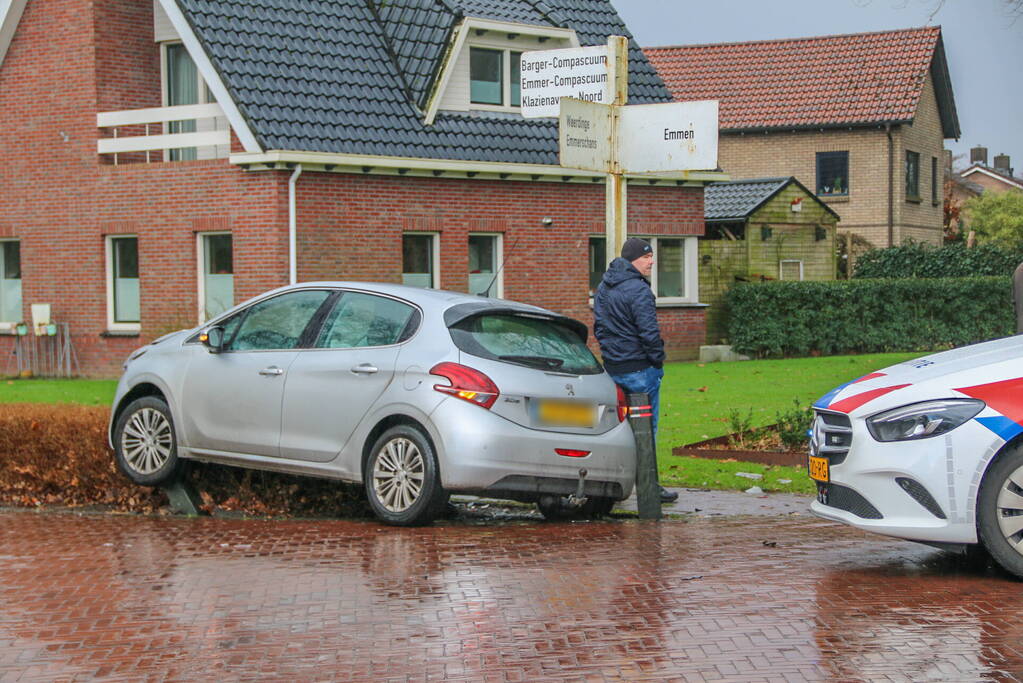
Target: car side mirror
pixel 213 339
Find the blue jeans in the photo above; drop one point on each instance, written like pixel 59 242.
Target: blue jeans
pixel 647 381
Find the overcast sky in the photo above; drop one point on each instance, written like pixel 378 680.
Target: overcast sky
pixel 983 43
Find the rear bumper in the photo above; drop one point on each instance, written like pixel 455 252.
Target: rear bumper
pixel 480 452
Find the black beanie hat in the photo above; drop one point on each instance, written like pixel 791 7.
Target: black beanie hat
pixel 634 247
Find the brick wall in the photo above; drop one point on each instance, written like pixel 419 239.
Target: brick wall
pixel 865 209
pixel 546 266
pixel 72 58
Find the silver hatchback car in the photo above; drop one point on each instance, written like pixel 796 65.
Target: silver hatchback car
pixel 416 393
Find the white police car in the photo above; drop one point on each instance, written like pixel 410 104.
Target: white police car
pixel 929 450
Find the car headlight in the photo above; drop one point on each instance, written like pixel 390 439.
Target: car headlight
pixel 923 420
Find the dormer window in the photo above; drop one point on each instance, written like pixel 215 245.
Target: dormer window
pixel 494 77
pixel 484 69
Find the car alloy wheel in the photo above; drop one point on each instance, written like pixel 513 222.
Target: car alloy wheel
pixel 402 478
pixel 398 474
pixel 144 442
pixel 1000 510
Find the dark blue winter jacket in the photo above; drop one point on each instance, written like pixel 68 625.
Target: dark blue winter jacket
pixel 625 320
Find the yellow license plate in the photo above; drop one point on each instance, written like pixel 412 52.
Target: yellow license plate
pixel 819 469
pixel 565 414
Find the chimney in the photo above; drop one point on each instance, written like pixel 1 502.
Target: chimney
pixel 978 155
pixel 1002 164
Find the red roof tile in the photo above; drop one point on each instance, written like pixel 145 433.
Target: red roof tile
pixel 826 81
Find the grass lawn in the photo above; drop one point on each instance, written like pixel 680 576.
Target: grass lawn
pixel 698 398
pixel 696 402
pixel 90 392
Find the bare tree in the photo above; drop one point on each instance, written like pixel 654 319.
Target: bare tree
pixel 1013 8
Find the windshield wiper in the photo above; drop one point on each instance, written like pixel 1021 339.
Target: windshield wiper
pixel 544 362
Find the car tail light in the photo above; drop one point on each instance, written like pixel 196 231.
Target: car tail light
pixel 467 384
pixel 571 452
pixel 623 405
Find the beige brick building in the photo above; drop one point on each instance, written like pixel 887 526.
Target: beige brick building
pixel 860 119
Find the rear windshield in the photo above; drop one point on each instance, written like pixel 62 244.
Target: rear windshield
pixel 524 340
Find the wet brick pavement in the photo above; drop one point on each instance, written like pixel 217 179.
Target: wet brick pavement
pixel 738 598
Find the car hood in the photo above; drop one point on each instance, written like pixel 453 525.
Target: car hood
pixel 992 372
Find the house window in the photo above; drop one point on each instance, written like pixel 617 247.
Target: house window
pixel 485 265
pixel 832 173
pixel 123 283
pixel 10 283
pixel 934 181
pixel 674 276
pixel 419 260
pixel 216 280
pixel 790 269
pixel 182 85
pixel 913 175
pixel 494 77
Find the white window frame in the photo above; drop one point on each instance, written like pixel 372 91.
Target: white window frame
pixel 434 255
pixel 205 96
pixel 691 279
pixel 109 247
pixel 200 251
pixel 498 291
pixel 781 268
pixel 8 325
pixel 506 104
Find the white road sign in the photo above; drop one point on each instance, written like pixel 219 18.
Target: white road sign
pixel 549 75
pixel 678 136
pixel 584 129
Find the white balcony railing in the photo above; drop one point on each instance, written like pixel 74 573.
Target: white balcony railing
pixel 132 132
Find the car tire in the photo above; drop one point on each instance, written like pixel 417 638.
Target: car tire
pixel 1000 511
pixel 402 478
pixel 145 445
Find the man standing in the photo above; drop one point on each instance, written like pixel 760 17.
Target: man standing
pixel 625 325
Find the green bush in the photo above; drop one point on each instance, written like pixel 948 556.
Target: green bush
pixel 867 316
pixel 952 260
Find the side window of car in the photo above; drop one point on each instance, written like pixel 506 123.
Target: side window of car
pixel 276 323
pixel 230 326
pixel 360 320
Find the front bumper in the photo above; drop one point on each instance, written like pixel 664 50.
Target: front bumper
pixel 921 490
pixel 480 452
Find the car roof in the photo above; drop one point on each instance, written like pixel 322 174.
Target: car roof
pixel 437 299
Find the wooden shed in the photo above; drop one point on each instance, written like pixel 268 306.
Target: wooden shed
pixel 758 230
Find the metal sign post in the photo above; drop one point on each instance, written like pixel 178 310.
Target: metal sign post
pixel 616 196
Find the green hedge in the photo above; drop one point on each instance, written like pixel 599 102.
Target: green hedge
pixel 952 260
pixel 867 316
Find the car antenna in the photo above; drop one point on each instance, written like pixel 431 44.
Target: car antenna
pixel 501 267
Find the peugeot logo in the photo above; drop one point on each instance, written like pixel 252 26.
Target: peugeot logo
pixel 570 390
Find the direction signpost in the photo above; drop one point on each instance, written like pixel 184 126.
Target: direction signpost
pixel 587 89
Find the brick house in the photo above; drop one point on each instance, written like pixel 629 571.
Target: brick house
pixel 859 118
pixel 997 178
pixel 170 158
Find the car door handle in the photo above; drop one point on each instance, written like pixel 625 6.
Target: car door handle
pixel 364 369
pixel 271 371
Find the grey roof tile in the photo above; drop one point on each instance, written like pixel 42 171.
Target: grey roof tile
pixel 739 198
pixel 351 77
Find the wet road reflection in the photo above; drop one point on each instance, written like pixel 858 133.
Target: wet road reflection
pixel 737 598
